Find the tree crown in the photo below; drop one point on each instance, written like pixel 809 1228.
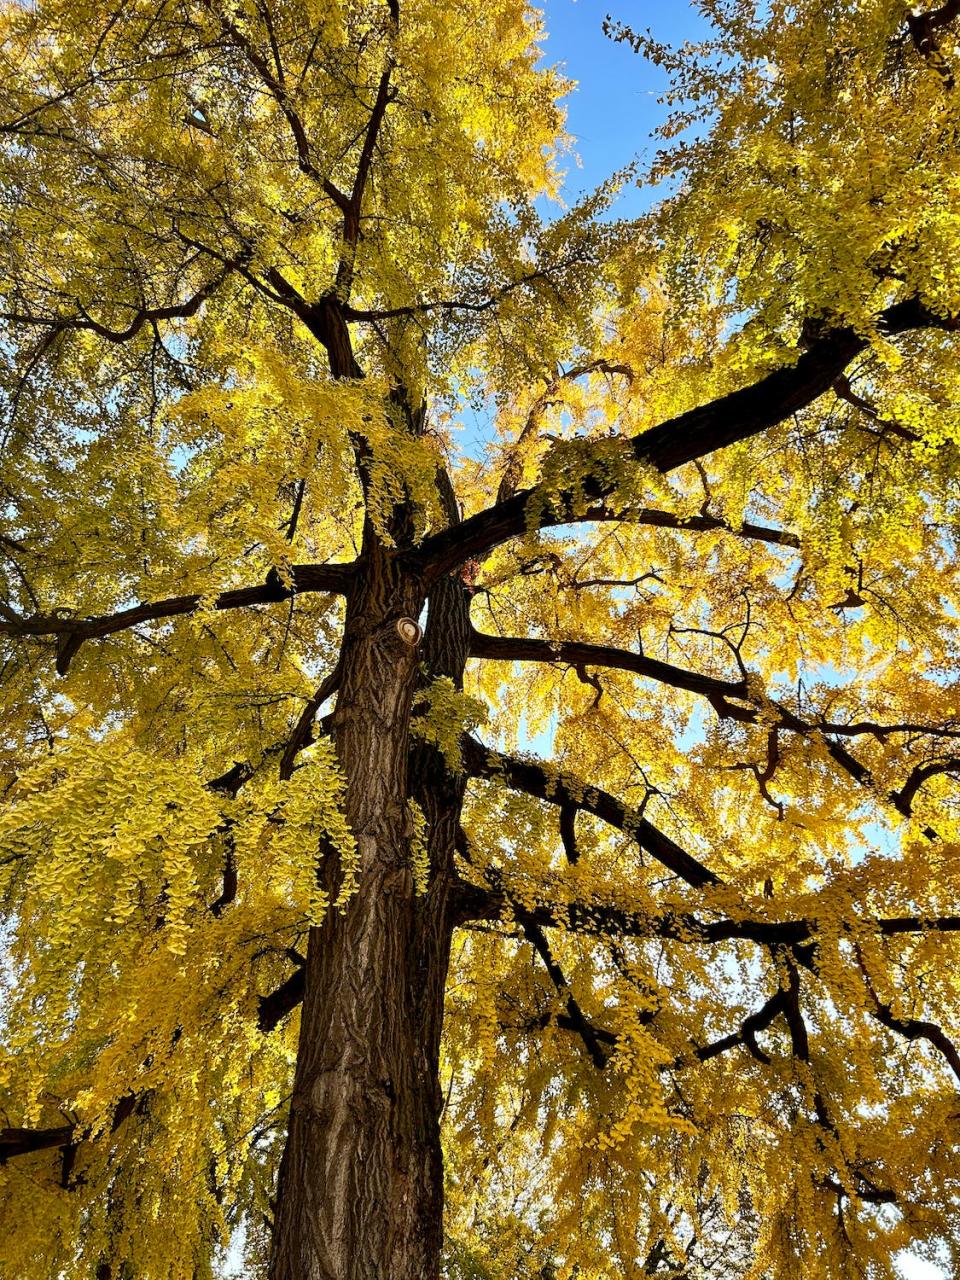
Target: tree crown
pixel 262 261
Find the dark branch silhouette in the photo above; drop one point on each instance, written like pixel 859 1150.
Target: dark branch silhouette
pixel 72 632
pixel 731 418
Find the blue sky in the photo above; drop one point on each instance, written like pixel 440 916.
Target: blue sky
pixel 615 107
pixel 611 113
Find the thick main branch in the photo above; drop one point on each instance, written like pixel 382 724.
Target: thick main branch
pixel 71 632
pixel 736 416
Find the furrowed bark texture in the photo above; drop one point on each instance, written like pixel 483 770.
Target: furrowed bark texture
pixel 361 1182
pixel 439 794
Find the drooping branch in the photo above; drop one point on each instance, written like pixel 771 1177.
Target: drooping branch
pixel 747 1033
pixel 910 1028
pixel 594 919
pixel 17 1142
pixel 786 1002
pixel 525 775
pixel 577 653
pixel 591 1036
pixel 72 632
pixel 846 392
pixel 598 919
pixel 533 779
pixel 719 692
pixel 920 1029
pixel 577 1019
pixel 866 1190
pixel 228 892
pixel 602 1035
pixel 736 416
pixel 142 316
pixel 568 833
pixel 301 735
pixel 904 798
pixel 702 523
pixel 475 902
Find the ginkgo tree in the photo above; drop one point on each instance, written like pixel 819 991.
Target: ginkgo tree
pixel 305 946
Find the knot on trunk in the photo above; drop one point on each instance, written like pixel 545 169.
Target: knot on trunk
pixel 410 632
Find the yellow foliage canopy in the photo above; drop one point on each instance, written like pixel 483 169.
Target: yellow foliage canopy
pixel 261 262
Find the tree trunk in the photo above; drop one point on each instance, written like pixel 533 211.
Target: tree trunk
pixel 361 1181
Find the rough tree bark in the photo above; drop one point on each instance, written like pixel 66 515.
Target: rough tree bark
pixel 361 1182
